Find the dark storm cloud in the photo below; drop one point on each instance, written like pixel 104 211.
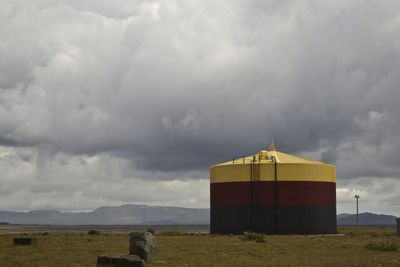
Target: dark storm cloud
pixel 175 85
pixel 8 142
pixel 181 86
pixel 108 95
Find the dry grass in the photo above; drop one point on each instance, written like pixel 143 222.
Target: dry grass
pixel 78 249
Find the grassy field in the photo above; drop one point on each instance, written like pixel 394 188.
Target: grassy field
pixel 178 249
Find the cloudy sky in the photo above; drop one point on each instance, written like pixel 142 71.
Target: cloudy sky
pixel 112 102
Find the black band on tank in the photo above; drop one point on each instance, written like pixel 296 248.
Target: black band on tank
pixel 292 220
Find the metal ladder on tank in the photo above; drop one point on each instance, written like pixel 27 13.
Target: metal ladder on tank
pixel 276 211
pixel 255 178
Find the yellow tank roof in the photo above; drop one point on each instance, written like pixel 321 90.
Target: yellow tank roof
pixel 280 157
pixel 288 168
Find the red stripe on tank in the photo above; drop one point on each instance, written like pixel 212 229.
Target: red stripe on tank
pixel 289 193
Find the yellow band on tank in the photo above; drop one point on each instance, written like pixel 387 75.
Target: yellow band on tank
pixel 285 172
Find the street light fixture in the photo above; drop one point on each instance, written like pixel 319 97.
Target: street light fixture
pixel 357 197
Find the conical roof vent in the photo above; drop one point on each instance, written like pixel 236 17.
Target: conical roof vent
pixel 272 145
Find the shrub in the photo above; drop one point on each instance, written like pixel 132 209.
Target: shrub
pixel 151 231
pixel 251 236
pixel 93 232
pixel 382 246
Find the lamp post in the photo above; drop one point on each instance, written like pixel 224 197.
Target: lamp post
pixel 357 197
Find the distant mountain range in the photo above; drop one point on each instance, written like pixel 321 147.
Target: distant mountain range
pixel 121 215
pixel 153 215
pixel 366 219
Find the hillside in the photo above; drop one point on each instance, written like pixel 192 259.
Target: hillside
pixel 122 215
pixel 366 219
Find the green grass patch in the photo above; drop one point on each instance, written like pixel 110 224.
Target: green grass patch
pixel 252 236
pixel 382 246
pixel 93 232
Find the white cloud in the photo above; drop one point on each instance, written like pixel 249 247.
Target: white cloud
pixel 31 180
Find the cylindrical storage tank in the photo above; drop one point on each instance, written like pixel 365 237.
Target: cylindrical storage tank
pixel 274 193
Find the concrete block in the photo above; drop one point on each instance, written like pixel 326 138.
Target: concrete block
pixel 120 261
pixel 24 241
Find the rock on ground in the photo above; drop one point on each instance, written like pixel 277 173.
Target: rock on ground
pixel 144 245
